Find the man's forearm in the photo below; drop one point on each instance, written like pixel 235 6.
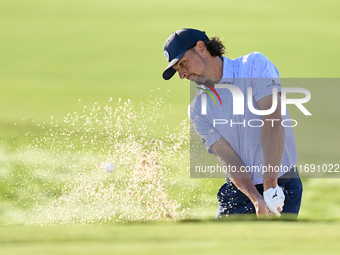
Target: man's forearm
pixel 273 139
pixel 246 185
pixel 243 181
pixel 241 178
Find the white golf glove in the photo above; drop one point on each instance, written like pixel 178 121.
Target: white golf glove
pixel 274 199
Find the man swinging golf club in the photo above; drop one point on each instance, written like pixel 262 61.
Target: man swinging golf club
pixel 270 146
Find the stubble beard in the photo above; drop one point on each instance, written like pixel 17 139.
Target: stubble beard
pixel 203 78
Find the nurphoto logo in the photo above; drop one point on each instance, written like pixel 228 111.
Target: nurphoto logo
pixel 238 100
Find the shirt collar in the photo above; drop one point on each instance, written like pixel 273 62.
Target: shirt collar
pixel 228 71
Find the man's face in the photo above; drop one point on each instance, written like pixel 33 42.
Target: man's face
pixel 192 66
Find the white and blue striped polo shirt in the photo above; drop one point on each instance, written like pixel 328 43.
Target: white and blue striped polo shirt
pixel 255 71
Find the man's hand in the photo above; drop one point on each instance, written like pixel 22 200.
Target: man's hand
pixel 274 199
pixel 261 208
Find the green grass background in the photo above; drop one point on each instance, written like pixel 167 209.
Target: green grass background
pixel 181 238
pixel 53 53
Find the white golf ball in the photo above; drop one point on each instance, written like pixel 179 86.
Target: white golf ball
pixel 109 167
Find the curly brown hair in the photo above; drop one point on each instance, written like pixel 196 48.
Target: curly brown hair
pixel 215 46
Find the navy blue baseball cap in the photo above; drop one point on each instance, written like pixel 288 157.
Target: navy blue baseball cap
pixel 177 44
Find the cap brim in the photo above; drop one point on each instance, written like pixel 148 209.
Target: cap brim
pixel 169 71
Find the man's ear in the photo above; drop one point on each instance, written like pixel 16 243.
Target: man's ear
pixel 200 48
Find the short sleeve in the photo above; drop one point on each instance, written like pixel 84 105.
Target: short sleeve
pixel 265 77
pixel 208 134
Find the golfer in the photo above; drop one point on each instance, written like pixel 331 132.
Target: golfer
pixel 258 146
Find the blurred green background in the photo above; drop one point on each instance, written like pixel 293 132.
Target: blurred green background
pixel 53 53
